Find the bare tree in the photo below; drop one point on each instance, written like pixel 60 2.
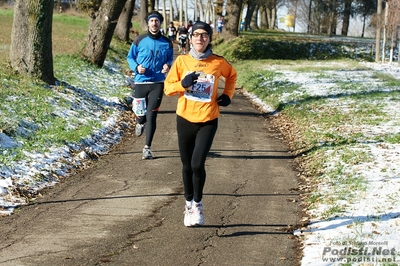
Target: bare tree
pixel 206 10
pixel 233 11
pixel 392 24
pixel 378 30
pixel 180 11
pixel 31 45
pixel 333 14
pixel 254 18
pixel 296 7
pixel 171 11
pixel 271 8
pixel 209 11
pixel 186 11
pixel 347 13
pixel 201 10
pixel 309 17
pixel 164 14
pixel 251 7
pixel 263 18
pixel 176 9
pixel 385 23
pixel 143 14
pixel 301 11
pixel 125 21
pixel 319 18
pixel 152 5
pixel 365 8
pixel 104 19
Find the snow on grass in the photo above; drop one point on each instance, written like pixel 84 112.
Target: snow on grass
pixel 361 227
pixel 356 219
pixel 89 100
pixel 367 218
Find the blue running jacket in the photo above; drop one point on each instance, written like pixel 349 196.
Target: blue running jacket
pixel 152 52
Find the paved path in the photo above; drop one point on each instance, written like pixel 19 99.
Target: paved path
pixel 126 211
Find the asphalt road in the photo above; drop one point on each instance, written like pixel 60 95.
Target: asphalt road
pixel 128 211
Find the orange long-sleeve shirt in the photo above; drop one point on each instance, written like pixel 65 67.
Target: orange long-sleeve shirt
pixel 199 103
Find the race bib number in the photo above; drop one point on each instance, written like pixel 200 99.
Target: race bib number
pixel 202 90
pixel 139 106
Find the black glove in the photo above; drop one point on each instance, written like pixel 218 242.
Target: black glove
pixel 190 79
pixel 224 100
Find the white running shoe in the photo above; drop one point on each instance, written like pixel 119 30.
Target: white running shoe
pixel 139 129
pixel 187 221
pixel 197 216
pixel 147 154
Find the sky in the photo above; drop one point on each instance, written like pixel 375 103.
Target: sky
pixel 370 224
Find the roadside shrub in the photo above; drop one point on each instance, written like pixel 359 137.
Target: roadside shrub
pixel 265 47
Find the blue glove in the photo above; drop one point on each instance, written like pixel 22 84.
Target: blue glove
pixel 190 79
pixel 224 100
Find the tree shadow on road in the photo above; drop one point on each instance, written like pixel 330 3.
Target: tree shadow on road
pixel 223 154
pixel 163 195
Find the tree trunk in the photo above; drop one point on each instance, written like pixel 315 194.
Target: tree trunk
pixel 233 9
pixel 332 27
pixel 378 30
pixel 271 12
pixel 254 18
pixel 164 14
pixel 180 11
pixel 346 17
pixel 392 46
pixel 125 21
pixel 186 12
pixel 101 29
pixel 143 14
pixel 209 11
pixel 263 18
pixel 273 18
pixel 200 11
pixel 171 11
pixel 384 32
pixel 295 14
pixel 152 5
pixel 309 28
pixel 251 6
pixel 363 27
pixel 212 11
pixel 31 39
pixel 176 7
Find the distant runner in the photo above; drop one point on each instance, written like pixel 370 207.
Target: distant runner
pixel 182 37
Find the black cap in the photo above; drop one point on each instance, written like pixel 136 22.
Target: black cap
pixel 202 25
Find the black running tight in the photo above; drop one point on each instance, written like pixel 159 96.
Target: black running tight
pixel 153 92
pixel 195 140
